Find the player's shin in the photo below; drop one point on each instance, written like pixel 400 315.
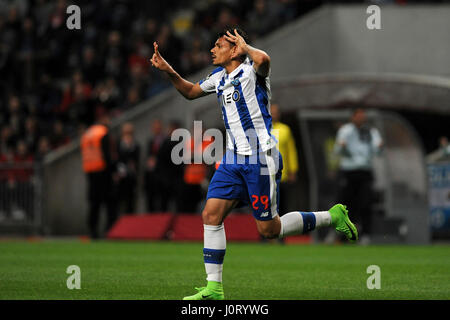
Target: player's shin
pixel 297 222
pixel 213 254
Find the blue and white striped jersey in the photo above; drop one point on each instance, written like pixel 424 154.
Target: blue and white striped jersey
pixel 244 97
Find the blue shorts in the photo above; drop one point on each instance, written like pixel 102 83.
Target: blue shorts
pixel 254 180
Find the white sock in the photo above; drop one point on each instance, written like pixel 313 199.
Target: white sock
pixel 302 222
pixel 214 245
pixel 323 219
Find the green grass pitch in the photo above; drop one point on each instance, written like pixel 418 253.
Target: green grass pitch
pixel 168 270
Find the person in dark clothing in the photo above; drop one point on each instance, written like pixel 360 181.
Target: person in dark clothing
pixel 170 175
pixel 358 143
pixel 98 163
pixel 154 194
pixel 128 164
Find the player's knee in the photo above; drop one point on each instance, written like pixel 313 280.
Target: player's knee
pixel 269 229
pixel 268 233
pixel 210 218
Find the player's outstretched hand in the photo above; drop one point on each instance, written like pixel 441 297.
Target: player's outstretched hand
pixel 158 61
pixel 238 41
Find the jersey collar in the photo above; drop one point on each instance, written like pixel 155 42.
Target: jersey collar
pixel 233 73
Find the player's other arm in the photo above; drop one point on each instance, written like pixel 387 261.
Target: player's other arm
pixel 261 60
pixel 188 89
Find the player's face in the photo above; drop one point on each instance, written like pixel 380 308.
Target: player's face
pixel 221 53
pixel 359 117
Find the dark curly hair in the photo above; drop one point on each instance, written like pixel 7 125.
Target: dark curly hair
pixel 240 31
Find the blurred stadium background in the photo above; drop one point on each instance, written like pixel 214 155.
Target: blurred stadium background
pixel 55 82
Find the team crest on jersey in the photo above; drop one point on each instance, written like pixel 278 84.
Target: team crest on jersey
pixel 236 96
pixel 235 82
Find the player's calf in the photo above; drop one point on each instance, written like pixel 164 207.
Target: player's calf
pixel 269 229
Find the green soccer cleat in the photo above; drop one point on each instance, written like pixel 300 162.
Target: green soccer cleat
pixel 340 220
pixel 214 291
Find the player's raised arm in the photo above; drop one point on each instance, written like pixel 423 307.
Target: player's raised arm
pixel 261 60
pixel 188 89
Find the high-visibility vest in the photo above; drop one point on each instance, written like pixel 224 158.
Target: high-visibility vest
pixel 91 148
pixel 195 173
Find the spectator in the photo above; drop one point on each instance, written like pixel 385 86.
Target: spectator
pixel 133 98
pixel 22 188
pixel 26 52
pixel 114 55
pixel 68 92
pixel 15 116
pixel 108 95
pixel 151 30
pixel 128 165
pixel 47 97
pixel 170 174
pixel 153 188
pixel 442 153
pixel 24 160
pixel 7 182
pixel 260 19
pixel 43 148
pixel 31 135
pixel 90 66
pixel 169 44
pixel 74 76
pixel 6 140
pixel 58 137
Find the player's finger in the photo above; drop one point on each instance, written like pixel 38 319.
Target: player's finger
pixel 153 60
pixel 236 33
pixel 155 46
pixel 230 34
pixel 230 39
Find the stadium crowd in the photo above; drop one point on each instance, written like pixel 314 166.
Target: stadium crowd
pixel 55 81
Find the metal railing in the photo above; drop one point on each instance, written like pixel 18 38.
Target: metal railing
pixel 20 197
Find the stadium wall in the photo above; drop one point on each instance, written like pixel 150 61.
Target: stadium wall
pixel 328 43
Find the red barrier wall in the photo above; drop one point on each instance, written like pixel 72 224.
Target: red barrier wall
pixel 187 227
pixel 146 227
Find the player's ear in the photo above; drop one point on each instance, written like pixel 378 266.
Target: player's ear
pixel 234 52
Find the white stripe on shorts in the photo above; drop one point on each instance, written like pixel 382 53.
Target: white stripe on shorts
pixel 272 180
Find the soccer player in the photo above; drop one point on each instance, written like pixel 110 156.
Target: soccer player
pixel 249 172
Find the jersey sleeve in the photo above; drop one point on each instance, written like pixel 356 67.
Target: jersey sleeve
pixel 250 62
pixel 208 84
